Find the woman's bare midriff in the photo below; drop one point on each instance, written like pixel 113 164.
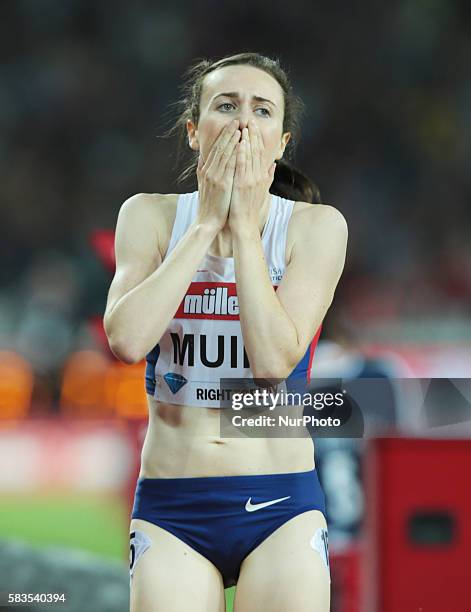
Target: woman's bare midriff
pixel 185 441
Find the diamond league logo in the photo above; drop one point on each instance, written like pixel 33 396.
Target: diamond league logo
pixel 174 381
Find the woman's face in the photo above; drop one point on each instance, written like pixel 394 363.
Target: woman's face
pixel 231 93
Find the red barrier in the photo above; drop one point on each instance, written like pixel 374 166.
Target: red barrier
pixel 418 526
pixel 345 574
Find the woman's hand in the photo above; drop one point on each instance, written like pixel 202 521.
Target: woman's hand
pixel 215 178
pixel 252 181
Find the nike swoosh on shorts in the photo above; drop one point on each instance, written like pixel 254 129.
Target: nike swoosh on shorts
pixel 253 507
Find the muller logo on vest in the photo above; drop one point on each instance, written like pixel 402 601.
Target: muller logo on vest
pixel 209 301
pixel 205 300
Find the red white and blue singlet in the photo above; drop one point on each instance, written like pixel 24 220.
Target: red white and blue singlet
pixel 203 342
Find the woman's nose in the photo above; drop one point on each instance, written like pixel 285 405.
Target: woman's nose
pixel 243 120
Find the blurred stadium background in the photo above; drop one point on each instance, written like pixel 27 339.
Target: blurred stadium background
pixel 85 88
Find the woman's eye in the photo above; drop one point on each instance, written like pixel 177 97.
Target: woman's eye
pixel 266 112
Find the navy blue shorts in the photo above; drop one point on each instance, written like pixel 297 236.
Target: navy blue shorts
pixel 224 518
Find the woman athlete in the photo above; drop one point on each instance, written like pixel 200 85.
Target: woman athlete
pixel 194 291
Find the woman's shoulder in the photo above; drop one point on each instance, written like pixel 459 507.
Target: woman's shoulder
pixel 165 204
pixel 149 207
pixel 316 211
pixel 314 223
pixel 306 215
pixel 148 202
pixel 152 210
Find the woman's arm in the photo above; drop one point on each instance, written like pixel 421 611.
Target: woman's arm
pixel 145 293
pixel 278 326
pixel 142 299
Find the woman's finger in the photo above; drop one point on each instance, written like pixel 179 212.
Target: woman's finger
pixel 261 148
pixel 231 164
pixel 241 159
pixel 228 152
pixel 262 152
pixel 220 144
pixel 255 148
pixel 247 152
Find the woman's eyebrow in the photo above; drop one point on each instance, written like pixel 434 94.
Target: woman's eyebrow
pixel 234 94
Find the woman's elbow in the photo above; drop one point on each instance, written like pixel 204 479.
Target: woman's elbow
pixel 125 353
pixel 272 371
pixel 278 369
pixel 124 350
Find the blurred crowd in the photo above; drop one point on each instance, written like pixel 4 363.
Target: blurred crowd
pixel 86 89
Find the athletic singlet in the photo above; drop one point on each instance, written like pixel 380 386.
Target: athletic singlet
pixel 203 342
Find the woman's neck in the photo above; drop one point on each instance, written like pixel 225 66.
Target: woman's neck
pixel 222 244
